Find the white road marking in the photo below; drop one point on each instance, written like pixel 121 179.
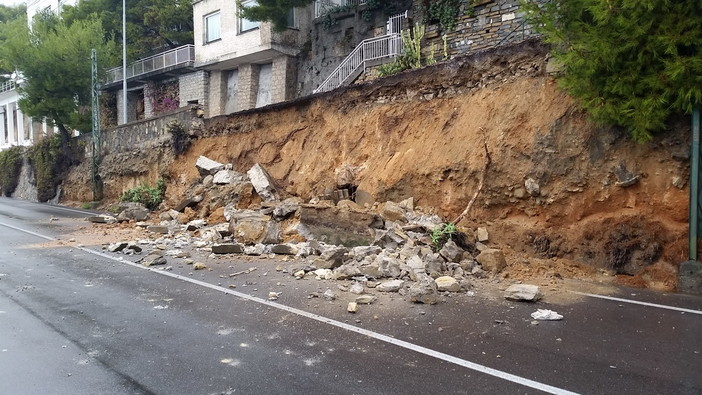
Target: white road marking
pixel 365 332
pixel 659 306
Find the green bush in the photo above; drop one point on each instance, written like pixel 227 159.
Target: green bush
pixel 442 234
pixel 11 165
pixel 150 197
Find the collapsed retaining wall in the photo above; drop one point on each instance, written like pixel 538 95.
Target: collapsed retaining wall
pixel 556 186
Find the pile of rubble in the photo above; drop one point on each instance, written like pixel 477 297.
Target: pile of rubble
pixel 386 246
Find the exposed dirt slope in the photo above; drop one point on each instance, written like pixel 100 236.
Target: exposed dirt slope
pixel 421 134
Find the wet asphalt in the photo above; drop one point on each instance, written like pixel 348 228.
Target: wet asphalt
pixel 75 322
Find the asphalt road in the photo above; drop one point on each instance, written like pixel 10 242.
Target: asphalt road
pixel 76 321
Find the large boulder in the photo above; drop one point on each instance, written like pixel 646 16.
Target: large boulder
pixel 492 260
pixel 335 226
pixel 251 227
pixel 133 211
pixel 523 292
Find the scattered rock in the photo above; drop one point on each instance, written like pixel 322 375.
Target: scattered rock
pixel 329 295
pixel 391 211
pixel 390 286
pixel 352 307
pixel 102 219
pixel 228 177
pixel 446 283
pixel 532 187
pixel 356 288
pixel 229 248
pixel 273 295
pixel 188 202
pixel 158 229
pixel 117 247
pixel 284 249
pixel 286 208
pixel 451 252
pixel 199 266
pixel 153 260
pixel 523 292
pixel 365 299
pixel 331 258
pixel 424 290
pixel 482 235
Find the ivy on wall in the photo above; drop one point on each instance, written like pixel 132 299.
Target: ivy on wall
pixel 164 97
pixel 11 165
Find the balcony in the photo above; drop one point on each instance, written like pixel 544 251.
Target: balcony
pixel 177 58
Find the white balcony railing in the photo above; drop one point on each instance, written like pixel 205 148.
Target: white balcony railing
pixel 7 86
pixel 370 50
pixel 322 7
pixel 181 56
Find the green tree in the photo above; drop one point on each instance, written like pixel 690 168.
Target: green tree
pixel 55 60
pixel 152 25
pixel 7 15
pixel 631 63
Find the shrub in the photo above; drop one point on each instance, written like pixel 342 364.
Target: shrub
pixel 150 197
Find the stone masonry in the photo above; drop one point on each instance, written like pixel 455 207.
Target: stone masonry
pixel 193 87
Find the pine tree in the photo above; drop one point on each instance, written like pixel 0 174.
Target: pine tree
pixel 631 63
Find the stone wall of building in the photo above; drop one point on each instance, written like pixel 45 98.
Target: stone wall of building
pixel 193 88
pixel 141 133
pixel 491 23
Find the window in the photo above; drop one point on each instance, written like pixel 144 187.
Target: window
pixel 291 19
pixel 212 27
pixel 245 24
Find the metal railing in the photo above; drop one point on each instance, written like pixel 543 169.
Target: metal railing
pixel 322 7
pixel 8 86
pixel 372 49
pixel 184 55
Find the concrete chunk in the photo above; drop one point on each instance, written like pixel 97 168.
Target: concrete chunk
pixel 262 183
pixel 207 166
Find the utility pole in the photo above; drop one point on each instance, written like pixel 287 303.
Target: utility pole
pixel 97 140
pixel 124 61
pixel 690 271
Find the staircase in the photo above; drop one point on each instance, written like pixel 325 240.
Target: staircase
pixel 370 52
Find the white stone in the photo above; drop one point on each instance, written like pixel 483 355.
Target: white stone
pixel 262 183
pixel 523 292
pixel 352 307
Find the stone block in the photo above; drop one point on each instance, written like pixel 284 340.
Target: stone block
pixel 207 166
pixel 523 292
pixel 262 183
pixel 234 248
